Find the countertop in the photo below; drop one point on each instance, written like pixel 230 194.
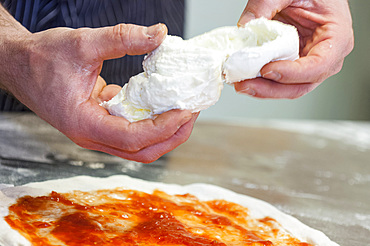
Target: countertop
pixel 317 171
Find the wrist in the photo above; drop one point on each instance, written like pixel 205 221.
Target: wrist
pixel 13 53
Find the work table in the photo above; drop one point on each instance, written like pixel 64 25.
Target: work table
pixel 317 171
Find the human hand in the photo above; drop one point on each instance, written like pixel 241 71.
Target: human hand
pixel 326 38
pixel 57 77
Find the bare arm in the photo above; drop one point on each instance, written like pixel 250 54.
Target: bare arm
pixel 11 32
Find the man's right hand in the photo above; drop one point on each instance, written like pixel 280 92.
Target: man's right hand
pixel 56 74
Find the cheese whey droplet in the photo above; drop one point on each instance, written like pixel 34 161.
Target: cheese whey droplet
pixel 189 74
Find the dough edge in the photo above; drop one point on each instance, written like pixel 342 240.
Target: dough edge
pixel 257 208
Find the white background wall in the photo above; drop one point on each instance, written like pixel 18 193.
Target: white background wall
pixel 345 96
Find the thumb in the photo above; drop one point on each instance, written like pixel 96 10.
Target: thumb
pixel 262 8
pixel 126 39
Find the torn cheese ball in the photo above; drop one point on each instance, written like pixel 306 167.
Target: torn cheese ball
pixel 189 74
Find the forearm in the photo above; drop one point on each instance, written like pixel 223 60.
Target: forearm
pixel 12 36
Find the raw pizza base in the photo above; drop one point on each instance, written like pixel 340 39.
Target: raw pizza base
pixel 257 208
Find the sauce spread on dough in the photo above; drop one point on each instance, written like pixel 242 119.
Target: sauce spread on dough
pixel 128 217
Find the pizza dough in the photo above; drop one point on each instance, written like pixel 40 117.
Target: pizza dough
pixel 189 74
pixel 257 208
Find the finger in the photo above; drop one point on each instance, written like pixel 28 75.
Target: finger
pixel 108 92
pixel 262 8
pixel 98 126
pixel 99 86
pixel 153 152
pixel 320 63
pixel 263 88
pixel 122 39
pixel 149 132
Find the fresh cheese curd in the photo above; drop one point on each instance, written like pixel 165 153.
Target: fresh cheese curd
pixel 189 74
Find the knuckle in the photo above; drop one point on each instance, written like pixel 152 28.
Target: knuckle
pixel 123 32
pixel 134 144
pixel 81 43
pixel 131 148
pixel 136 140
pixel 80 36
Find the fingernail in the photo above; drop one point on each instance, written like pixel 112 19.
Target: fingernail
pixel 153 31
pixel 248 91
pixel 272 75
pixel 245 18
